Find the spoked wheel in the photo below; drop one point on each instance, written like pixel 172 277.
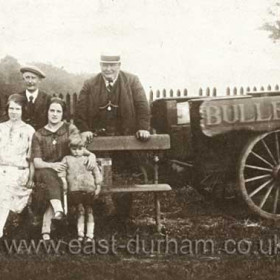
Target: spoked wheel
pixel 259 175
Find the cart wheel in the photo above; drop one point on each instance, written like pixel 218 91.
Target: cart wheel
pixel 259 174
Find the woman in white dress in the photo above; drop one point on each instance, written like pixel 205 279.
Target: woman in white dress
pixel 16 169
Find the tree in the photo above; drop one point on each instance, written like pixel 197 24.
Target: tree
pixel 273 27
pixel 10 77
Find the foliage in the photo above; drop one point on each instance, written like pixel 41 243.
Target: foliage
pixel 273 27
pixel 58 80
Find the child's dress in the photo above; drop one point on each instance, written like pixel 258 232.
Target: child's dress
pixel 15 146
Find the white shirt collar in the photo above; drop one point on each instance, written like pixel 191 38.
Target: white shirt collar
pixel 112 83
pixel 34 94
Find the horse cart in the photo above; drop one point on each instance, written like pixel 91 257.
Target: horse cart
pixel 230 145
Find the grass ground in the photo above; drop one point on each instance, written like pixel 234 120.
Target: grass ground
pixel 241 246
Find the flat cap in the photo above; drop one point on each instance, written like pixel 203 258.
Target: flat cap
pixel 33 69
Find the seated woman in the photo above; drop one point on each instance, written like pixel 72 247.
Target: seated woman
pixel 16 171
pixel 49 146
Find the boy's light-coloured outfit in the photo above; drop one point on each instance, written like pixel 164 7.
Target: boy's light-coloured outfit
pixel 81 187
pixel 78 177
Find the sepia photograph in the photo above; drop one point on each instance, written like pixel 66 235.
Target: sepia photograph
pixel 139 140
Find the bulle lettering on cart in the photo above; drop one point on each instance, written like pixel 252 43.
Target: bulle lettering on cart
pixel 237 113
pixel 219 116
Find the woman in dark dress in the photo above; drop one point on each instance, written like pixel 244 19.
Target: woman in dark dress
pixel 49 146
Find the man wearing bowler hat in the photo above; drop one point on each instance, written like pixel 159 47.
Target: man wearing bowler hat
pixel 113 102
pixel 35 110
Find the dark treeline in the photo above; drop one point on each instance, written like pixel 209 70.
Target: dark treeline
pixel 58 80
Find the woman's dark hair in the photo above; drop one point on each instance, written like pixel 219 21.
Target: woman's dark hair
pixel 59 101
pixel 17 98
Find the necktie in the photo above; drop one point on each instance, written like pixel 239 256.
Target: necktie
pixel 31 105
pixel 110 86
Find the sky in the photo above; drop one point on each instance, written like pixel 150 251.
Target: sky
pixel 168 43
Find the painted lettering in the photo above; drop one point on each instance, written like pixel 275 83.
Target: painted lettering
pixel 259 113
pixel 276 110
pixel 230 113
pixel 245 114
pixel 213 115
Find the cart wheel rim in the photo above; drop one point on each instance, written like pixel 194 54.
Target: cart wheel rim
pixel 259 174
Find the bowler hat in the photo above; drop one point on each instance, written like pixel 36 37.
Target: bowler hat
pixel 105 58
pixel 33 69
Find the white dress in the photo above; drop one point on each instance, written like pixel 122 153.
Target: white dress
pixel 15 149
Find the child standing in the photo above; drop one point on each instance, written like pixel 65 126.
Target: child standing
pixel 83 187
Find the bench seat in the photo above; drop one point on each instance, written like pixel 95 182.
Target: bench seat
pixel 137 188
pixel 155 144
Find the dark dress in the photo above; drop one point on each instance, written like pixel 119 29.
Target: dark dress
pixel 50 147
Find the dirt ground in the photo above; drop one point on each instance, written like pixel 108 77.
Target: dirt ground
pixel 240 245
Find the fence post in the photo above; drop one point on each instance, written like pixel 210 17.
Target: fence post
pixel 185 92
pixel 248 89
pixel 171 93
pixel 214 93
pixel 151 98
pixel 178 93
pixel 241 91
pixel 164 93
pixel 157 94
pixel 200 93
pixel 276 87
pixel 75 101
pixel 262 88
pixel 228 91
pixel 234 91
pixel 269 88
pixel 208 91
pixel 254 89
pixel 68 107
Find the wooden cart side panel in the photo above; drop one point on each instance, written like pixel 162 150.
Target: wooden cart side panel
pixel 215 154
pixel 248 114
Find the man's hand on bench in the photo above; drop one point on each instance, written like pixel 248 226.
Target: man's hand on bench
pixel 142 135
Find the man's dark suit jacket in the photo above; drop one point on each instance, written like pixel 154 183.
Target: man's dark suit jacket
pixel 133 104
pixel 39 117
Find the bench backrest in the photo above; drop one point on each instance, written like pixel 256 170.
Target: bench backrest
pixel 124 143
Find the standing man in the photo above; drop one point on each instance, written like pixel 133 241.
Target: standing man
pixel 36 101
pixel 114 102
pixel 34 113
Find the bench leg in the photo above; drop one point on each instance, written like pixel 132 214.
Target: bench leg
pixel 157 210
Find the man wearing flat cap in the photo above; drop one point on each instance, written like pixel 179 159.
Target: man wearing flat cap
pixel 34 113
pixel 114 102
pixel 36 101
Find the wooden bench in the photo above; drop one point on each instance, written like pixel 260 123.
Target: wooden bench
pixel 156 144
